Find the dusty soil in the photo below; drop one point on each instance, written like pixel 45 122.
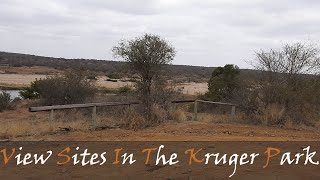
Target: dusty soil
pixel 101 82
pixel 19 80
pixel 193 88
pixel 190 131
pixel 22 77
pixel 24 80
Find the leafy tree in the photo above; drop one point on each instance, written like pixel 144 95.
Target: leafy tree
pixel 146 56
pixel 223 82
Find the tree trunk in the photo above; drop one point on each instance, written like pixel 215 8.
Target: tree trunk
pixel 146 99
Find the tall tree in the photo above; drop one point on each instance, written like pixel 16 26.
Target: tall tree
pixel 146 56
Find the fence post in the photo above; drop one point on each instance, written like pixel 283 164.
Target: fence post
pixel 51 116
pixel 129 107
pixel 195 110
pixel 233 112
pixel 94 116
pixel 173 107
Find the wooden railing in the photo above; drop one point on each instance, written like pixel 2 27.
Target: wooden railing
pixel 233 107
pixel 74 106
pixel 95 105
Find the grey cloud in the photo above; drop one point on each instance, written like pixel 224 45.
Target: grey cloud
pixel 136 7
pixel 206 32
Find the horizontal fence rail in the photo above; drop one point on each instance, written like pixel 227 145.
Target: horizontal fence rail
pixel 73 106
pixel 219 103
pixel 195 110
pixel 95 105
pixel 183 101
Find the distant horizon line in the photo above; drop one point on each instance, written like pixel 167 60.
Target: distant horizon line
pixel 45 56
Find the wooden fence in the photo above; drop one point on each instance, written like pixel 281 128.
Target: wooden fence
pixel 75 106
pixel 95 105
pixel 233 107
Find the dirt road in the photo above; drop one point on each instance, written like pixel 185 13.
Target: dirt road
pixel 187 131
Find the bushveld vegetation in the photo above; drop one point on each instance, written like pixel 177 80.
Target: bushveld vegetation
pixel 283 90
pixel 5 101
pixel 290 83
pixel 224 83
pixel 69 88
pixel 286 91
pixel 112 69
pixel 146 57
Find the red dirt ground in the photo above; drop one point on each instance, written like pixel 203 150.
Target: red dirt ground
pixel 187 131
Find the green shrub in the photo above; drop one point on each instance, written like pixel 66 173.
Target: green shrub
pixel 124 90
pixel 113 76
pixel 69 88
pixel 31 92
pixel 223 83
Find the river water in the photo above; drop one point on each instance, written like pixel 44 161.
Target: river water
pixel 13 93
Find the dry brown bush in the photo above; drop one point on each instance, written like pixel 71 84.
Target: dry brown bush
pixel 289 80
pixel 158 115
pixel 178 115
pixel 134 121
pixel 5 101
pixel 273 114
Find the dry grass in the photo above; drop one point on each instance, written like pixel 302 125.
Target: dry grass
pixel 181 115
pixel 133 121
pixel 274 114
pixel 159 114
pixel 178 116
pixel 11 130
pixel 20 122
pixel 193 88
pixel 19 80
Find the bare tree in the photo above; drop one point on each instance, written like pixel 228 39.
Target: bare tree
pixel 146 55
pixel 291 59
pixel 288 75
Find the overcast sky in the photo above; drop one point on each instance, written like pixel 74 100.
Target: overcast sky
pixel 204 32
